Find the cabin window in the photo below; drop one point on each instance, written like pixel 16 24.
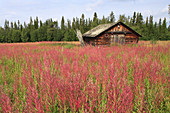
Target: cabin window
pixel 107 36
pixel 118 26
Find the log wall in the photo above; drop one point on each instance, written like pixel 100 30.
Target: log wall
pixel 107 39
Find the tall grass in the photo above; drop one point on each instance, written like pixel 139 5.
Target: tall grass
pixel 43 78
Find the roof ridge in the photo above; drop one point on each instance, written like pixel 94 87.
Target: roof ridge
pixel 103 27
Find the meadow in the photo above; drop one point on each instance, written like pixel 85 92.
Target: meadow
pixel 50 77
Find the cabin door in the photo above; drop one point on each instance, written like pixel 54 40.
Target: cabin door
pixel 121 39
pixel 117 39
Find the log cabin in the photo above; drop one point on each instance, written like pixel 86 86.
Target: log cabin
pixel 107 34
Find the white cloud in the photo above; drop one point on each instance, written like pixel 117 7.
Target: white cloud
pixel 147 12
pixel 165 9
pixel 93 5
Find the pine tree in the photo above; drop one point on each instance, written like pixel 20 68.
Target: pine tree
pixel 6 26
pixel 25 25
pixel 103 20
pixel 122 18
pixel 82 23
pixel 51 34
pixel 137 19
pixel 41 24
pixel 156 34
pixel 146 30
pixel 25 36
pixel 73 24
pixel 42 33
pixel 62 23
pixel 62 27
pixel 58 36
pixel 160 29
pixel 15 26
pixel 164 30
pixel 140 19
pixel 134 18
pixel 68 24
pixel 95 20
pixel 30 25
pixel 12 25
pixel 2 35
pixel 55 23
pixel 36 23
pixel 112 17
pixel 69 35
pixel 77 23
pixel 151 30
pixel 34 35
pixel 164 26
pixel 131 21
pixel 90 24
pixel 128 21
pixel 16 36
pixel 18 25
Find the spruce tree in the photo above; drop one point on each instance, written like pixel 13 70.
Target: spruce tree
pixel 34 35
pixel 42 31
pixel 164 30
pixel 82 23
pixel 12 25
pixel 151 30
pixel 62 27
pixel 41 24
pixel 62 23
pixel 25 35
pixel 73 24
pixel 18 25
pixel 2 35
pixel 16 36
pixel 95 20
pixel 112 17
pixel 134 18
pixel 122 18
pixel 36 23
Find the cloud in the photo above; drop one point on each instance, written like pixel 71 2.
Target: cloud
pixel 93 5
pixel 164 10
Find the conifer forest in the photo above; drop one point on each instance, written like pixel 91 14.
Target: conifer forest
pixel 51 30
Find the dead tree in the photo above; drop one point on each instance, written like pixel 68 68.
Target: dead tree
pixel 80 37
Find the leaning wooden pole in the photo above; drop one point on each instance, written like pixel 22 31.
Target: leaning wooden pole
pixel 80 37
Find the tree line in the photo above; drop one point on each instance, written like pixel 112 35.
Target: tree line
pixel 50 30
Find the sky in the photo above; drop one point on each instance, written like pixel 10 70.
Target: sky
pixel 14 10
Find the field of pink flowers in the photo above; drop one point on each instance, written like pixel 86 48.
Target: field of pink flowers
pixel 49 78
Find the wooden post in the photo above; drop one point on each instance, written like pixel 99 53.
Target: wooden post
pixel 80 37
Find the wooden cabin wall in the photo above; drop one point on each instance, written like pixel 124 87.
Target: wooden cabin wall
pixel 131 38
pixel 105 38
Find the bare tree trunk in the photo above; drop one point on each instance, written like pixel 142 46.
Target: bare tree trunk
pixel 80 37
